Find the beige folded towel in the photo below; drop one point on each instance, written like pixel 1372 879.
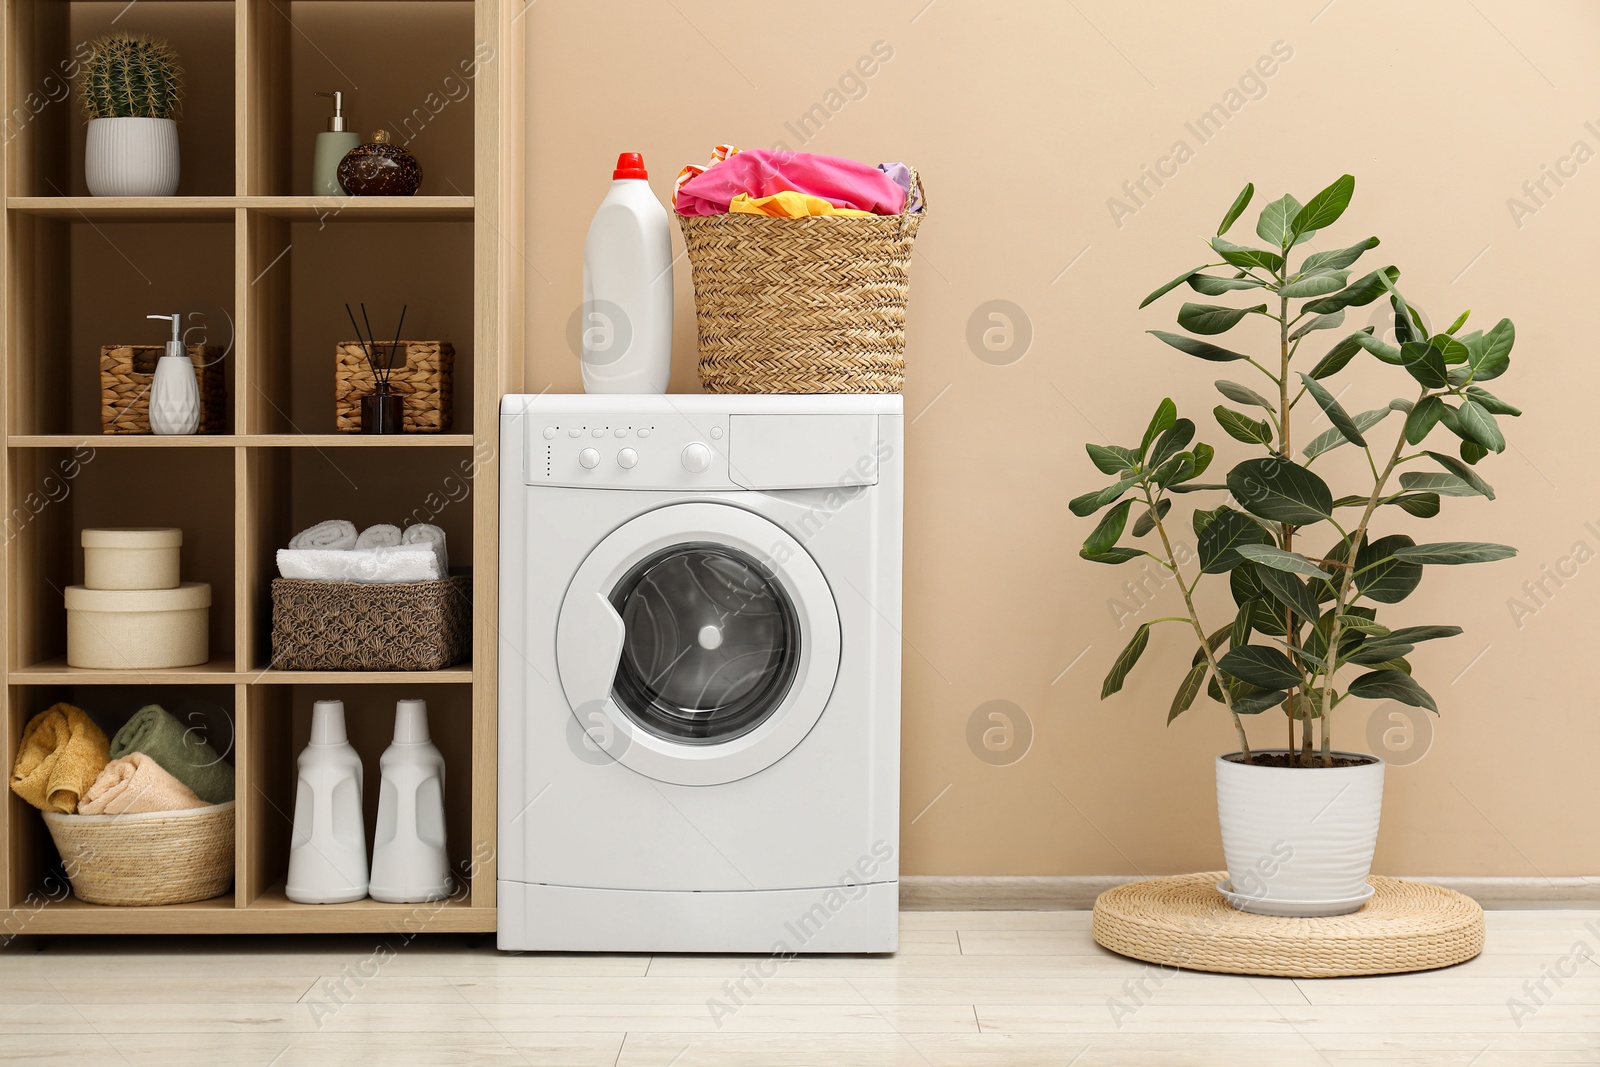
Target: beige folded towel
pixel 133 784
pixel 58 758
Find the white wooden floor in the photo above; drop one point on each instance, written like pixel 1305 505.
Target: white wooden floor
pixel 1009 989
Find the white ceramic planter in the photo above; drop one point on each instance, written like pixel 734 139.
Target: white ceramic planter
pixel 138 629
pixel 1299 841
pixel 131 157
pixel 131 557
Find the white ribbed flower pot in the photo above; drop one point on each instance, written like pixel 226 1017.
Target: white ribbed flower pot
pixel 1299 840
pixel 131 157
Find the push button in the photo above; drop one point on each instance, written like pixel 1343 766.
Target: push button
pixel 589 458
pixel 696 458
pixel 627 458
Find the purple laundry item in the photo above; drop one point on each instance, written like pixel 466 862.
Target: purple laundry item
pixel 902 177
pixel 762 172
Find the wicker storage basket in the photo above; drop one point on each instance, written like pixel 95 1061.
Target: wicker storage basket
pixel 348 626
pixel 126 372
pixel 813 305
pixel 162 857
pixel 423 383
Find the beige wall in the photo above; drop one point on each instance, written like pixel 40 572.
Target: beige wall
pixel 1025 117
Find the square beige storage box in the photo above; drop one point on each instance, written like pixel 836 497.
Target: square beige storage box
pixel 131 557
pixel 138 629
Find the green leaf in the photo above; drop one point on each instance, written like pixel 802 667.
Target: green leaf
pixel 1422 505
pixel 1493 355
pixel 1359 293
pixel 1422 419
pixel 1202 349
pixel 1210 285
pixel 1324 209
pixel 1262 666
pixel 1173 284
pixel 1275 558
pixel 1451 350
pixel 1392 685
pixel 1338 259
pixel 1315 283
pixel 1339 354
pixel 1089 503
pixel 1491 403
pixel 1472 451
pixel 1450 553
pixel 1113 556
pixel 1379 652
pixel 1291 592
pixel 1213 643
pixel 1382 349
pixel 1244 582
pixel 1242 427
pixel 1171 442
pixel 1418 634
pixel 1462 471
pixel 1218 544
pixel 1110 528
pixel 1382 577
pixel 1179 468
pixel 1329 439
pixel 1280 490
pixel 1125 661
pixel 1240 202
pixel 1203 454
pixel 1436 482
pixel 1256 703
pixel 1425 363
pixel 1334 410
pixel 1273 224
pixel 1112 459
pixel 1162 421
pixel 1188 689
pixel 1407 323
pixel 1202 518
pixel 1245 258
pixel 1318 322
pixel 1265 618
pixel 1147 519
pixel 1239 635
pixel 1460 322
pixel 1211 318
pixel 1242 394
pixel 1368 626
pixel 1480 426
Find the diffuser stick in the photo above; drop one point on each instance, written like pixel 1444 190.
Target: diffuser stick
pixel 366 349
pixel 389 371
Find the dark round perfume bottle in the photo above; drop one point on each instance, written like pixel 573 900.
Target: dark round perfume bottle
pixel 379 168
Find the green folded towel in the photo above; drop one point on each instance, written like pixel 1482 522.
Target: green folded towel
pixel 181 752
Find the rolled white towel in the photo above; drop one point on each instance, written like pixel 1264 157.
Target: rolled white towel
pixel 333 534
pixel 383 535
pixel 369 566
pixel 423 533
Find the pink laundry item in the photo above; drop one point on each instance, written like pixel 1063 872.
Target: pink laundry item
pixel 789 205
pixel 718 154
pixel 762 172
pixel 136 783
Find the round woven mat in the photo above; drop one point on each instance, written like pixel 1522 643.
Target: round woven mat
pixel 1184 922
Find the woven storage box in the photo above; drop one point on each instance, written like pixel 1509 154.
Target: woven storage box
pixel 126 372
pixel 424 384
pixel 163 857
pixel 348 626
pixel 812 305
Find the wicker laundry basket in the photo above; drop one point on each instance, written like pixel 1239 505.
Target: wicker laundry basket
pixel 162 857
pixel 348 626
pixel 126 372
pixel 812 305
pixel 424 381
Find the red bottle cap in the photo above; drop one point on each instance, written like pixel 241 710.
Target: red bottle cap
pixel 630 165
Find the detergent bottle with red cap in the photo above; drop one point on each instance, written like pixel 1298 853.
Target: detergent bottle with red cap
pixel 626 324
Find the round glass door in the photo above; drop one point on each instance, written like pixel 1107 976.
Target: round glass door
pixel 711 643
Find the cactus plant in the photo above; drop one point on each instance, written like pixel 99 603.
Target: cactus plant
pixel 130 75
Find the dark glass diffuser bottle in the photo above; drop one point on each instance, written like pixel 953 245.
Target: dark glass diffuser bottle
pixel 382 411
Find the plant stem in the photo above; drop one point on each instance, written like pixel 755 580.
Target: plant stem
pixel 1286 406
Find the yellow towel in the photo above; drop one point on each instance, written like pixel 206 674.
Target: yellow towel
pixel 61 754
pixel 789 205
pixel 136 783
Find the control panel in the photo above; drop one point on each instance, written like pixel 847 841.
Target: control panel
pixel 628 452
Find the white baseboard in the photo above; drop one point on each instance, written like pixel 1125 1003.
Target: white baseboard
pixel 935 892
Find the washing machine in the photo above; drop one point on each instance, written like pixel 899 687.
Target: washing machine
pixel 699 673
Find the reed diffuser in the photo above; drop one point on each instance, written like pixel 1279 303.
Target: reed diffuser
pixel 382 410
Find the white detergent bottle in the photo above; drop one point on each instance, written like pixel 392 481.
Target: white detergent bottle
pixel 409 863
pixel 627 288
pixel 328 854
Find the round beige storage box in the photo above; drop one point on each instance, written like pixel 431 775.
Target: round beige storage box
pixel 158 857
pixel 132 558
pixel 138 629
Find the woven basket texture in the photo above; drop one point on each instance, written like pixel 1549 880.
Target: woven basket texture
pixel 812 305
pixel 126 372
pixel 348 626
pixel 424 384
pixel 167 857
pixel 1184 922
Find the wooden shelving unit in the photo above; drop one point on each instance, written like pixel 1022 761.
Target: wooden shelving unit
pixel 265 269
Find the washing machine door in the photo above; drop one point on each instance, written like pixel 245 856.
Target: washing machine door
pixel 698 644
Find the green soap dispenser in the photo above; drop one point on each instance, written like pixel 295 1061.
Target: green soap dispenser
pixel 331 148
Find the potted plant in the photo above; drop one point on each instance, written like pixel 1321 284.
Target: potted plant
pixel 1307 566
pixel 132 92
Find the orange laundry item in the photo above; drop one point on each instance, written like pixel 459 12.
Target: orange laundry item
pixel 718 154
pixel 789 205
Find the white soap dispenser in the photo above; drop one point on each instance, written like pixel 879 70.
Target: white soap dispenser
pixel 409 864
pixel 175 392
pixel 332 146
pixel 328 853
